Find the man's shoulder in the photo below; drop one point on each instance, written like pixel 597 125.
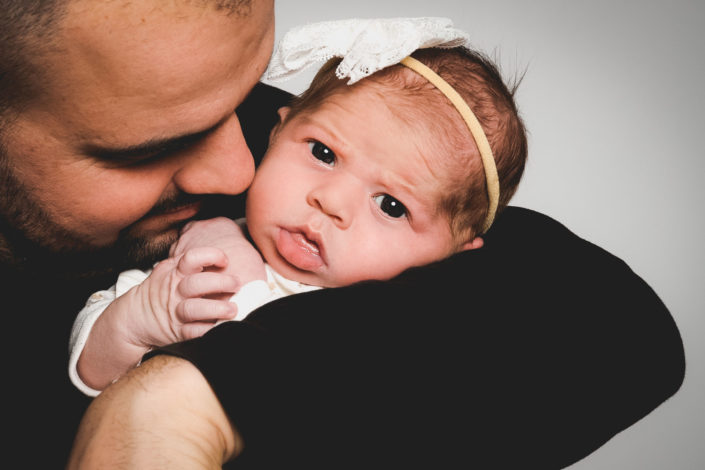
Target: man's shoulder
pixel 264 97
pixel 515 221
pixel 265 92
pixel 258 115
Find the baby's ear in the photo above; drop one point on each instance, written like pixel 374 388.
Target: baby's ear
pixel 474 244
pixel 283 112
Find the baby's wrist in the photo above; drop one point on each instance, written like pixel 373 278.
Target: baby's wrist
pixel 132 333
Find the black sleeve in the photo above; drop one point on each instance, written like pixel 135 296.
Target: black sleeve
pixel 531 352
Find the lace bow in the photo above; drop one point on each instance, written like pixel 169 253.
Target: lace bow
pixel 366 45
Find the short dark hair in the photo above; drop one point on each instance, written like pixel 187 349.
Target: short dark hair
pixel 477 79
pixel 28 29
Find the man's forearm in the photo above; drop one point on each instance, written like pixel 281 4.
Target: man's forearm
pixel 162 414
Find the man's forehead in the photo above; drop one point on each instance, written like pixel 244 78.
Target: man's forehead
pixel 182 8
pixel 134 71
pixel 165 26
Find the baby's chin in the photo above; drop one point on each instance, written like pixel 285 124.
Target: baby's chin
pixel 305 277
pixel 330 279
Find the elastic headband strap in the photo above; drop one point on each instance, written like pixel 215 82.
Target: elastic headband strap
pixel 475 129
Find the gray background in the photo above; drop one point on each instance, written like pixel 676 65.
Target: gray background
pixel 612 99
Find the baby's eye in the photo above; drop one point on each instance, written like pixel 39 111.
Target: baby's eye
pixel 321 152
pixel 390 206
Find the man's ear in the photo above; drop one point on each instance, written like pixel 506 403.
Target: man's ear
pixel 474 244
pixel 283 112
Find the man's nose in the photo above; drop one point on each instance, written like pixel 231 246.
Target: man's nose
pixel 335 198
pixel 220 164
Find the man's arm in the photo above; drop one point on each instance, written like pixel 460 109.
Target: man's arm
pixel 162 414
pixel 531 352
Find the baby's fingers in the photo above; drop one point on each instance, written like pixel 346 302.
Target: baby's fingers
pixel 196 260
pixel 195 330
pixel 208 284
pixel 205 310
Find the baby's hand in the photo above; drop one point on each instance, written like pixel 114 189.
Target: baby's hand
pixel 244 261
pixel 185 296
pixel 219 231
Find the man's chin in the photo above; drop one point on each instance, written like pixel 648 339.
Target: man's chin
pixel 129 252
pixel 143 251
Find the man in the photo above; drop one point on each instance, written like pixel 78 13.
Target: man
pixel 117 128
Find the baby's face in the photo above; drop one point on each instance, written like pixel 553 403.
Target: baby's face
pixel 344 194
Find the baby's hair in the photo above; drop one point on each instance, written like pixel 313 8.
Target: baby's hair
pixel 419 104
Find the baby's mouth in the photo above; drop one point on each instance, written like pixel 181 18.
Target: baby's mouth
pixel 299 250
pixel 306 243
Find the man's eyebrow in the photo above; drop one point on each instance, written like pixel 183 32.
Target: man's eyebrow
pixel 149 147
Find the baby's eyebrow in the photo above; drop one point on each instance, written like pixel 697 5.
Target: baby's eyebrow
pixel 326 134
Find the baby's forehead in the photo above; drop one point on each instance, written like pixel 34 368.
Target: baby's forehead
pixel 416 117
pixel 425 116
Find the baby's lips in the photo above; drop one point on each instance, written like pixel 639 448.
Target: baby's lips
pixel 298 250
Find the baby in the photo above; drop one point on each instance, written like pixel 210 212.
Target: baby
pixel 360 182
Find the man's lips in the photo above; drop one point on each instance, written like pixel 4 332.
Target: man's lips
pixel 301 250
pixel 178 211
pixel 167 218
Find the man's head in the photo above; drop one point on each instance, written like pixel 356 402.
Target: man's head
pixel 117 120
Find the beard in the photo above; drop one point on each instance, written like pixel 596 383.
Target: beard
pixel 31 241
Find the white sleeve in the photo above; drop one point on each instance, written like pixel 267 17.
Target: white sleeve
pixel 250 296
pixel 257 293
pixel 95 306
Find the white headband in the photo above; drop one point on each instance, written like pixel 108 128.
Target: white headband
pixel 369 45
